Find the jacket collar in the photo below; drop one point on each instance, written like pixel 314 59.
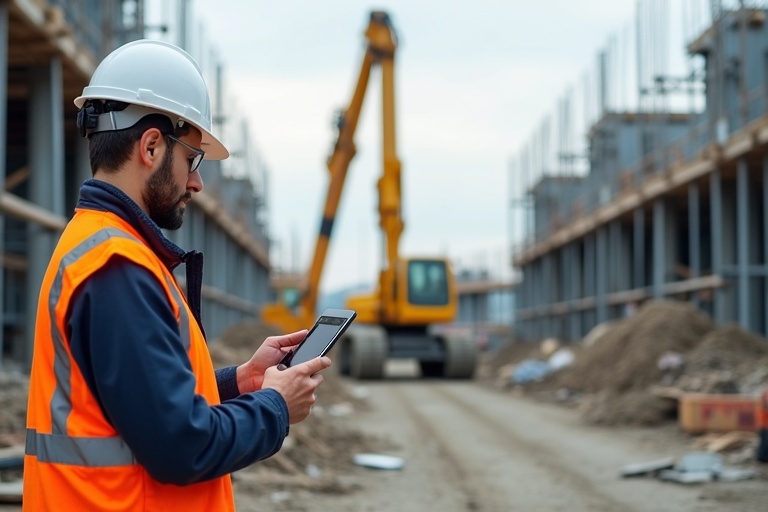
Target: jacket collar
pixel 99 195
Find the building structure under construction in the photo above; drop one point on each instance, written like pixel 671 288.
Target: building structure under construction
pixel 671 200
pixel 48 51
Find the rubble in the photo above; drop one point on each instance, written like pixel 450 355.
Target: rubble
pixel 632 370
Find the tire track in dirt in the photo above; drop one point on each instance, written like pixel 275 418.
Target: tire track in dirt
pixel 452 467
pixel 544 455
pixel 498 469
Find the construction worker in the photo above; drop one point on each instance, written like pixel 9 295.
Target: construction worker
pixel 126 411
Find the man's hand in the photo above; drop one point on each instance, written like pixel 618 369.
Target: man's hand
pixel 297 385
pixel 250 375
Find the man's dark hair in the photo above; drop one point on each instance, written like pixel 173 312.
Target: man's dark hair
pixel 109 150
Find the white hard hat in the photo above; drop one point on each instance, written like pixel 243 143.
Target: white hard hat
pixel 153 77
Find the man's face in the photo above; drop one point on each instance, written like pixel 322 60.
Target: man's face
pixel 170 187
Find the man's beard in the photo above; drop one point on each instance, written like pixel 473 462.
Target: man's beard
pixel 163 198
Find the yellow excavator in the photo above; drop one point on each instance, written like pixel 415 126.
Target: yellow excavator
pixel 414 296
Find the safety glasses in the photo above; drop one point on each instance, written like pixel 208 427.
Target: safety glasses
pixel 194 160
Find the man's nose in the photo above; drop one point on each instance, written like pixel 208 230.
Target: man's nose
pixel 195 182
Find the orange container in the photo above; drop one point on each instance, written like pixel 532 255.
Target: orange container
pixel 762 410
pixel 718 413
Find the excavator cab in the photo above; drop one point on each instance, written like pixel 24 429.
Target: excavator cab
pixel 401 319
pixel 422 292
pixel 428 283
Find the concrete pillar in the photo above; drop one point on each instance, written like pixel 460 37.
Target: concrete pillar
pixel 612 257
pixel 566 269
pixel 638 248
pixel 729 248
pixel 716 234
pixel 764 203
pixel 3 138
pixel 694 236
pixel 601 279
pixel 742 242
pixel 575 278
pixel 658 263
pixel 46 178
pixel 589 278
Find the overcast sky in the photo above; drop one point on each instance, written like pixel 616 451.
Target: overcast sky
pixel 473 81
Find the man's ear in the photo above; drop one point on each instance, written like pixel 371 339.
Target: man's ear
pixel 151 148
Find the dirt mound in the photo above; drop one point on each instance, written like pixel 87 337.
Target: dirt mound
pixel 614 378
pixel 627 354
pixel 728 360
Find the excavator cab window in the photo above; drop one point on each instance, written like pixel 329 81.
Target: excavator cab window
pixel 427 283
pixel 291 297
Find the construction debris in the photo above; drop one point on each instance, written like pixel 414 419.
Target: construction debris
pixel 692 468
pixel 378 461
pixel 634 370
pixel 704 467
pixel 645 468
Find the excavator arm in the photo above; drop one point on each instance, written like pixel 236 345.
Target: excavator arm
pixel 380 49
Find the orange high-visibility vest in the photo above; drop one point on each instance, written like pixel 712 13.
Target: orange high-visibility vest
pixel 76 460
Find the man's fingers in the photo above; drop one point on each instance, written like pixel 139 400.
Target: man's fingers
pixel 289 340
pixel 315 365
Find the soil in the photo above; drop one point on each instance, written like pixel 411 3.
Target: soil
pixel 616 377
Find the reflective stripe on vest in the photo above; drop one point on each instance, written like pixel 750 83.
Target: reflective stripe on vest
pixel 58 447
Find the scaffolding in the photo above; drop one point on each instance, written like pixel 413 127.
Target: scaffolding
pixel 666 197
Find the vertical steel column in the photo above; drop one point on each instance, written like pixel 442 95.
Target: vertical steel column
pixel 638 259
pixel 566 266
pixel 615 256
pixel 219 276
pixel 659 228
pixel 716 213
pixel 3 138
pixel 530 277
pixel 601 267
pixel 530 296
pixel 546 322
pixel 539 302
pixel 46 178
pixel 764 203
pixel 202 243
pixel 575 279
pixel 589 278
pixel 694 236
pixel 742 241
pixel 622 256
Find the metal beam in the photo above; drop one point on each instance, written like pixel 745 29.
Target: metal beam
pixel 694 235
pixel 742 242
pixel 716 233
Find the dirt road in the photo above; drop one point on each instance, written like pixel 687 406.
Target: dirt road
pixel 471 448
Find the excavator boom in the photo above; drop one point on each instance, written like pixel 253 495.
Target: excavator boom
pixel 412 295
pixel 381 47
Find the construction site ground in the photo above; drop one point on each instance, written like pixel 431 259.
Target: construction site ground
pixel 494 444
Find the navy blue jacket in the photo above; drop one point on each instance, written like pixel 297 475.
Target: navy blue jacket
pixel 126 341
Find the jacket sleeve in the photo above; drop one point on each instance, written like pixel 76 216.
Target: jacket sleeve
pixel 126 341
pixel 226 381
